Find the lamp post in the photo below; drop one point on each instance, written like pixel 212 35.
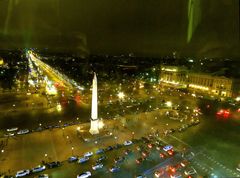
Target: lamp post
pixel 46 155
pixel 133 133
pixel 72 150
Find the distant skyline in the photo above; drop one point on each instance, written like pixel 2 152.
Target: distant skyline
pixel 145 28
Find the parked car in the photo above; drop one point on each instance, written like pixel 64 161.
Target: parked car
pixel 39 168
pixel 127 151
pixel 24 131
pixel 117 146
pixel 99 151
pixel 128 142
pixel 114 169
pixel 139 160
pixel 145 153
pixel 101 158
pixel 11 134
pixel 176 175
pixel 53 164
pixel 72 159
pixel 84 175
pixel 83 159
pixel 159 173
pixel 12 129
pixel 97 166
pixel 119 159
pixel 88 154
pixel 22 173
pixel 109 148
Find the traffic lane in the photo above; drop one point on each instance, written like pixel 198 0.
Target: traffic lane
pixel 128 168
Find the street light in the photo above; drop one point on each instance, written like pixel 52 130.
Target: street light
pixel 133 135
pixel 169 104
pixel 2 151
pixel 121 95
pixel 72 150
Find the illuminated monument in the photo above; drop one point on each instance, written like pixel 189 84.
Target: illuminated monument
pixel 94 114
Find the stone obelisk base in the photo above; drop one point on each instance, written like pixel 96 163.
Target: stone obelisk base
pixel 94 127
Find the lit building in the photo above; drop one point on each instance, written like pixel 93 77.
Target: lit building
pixel 176 76
pixel 180 77
pixel 214 85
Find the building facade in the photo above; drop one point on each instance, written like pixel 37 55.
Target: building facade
pixel 203 83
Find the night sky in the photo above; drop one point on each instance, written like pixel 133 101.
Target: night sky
pixel 145 27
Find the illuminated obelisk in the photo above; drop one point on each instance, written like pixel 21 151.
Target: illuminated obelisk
pixel 94 114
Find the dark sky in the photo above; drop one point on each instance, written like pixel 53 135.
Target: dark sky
pixel 144 27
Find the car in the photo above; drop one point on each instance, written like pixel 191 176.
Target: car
pixel 117 146
pixel 238 167
pixel 127 151
pixel 83 159
pixel 99 151
pixel 139 160
pixel 170 152
pixel 159 173
pixel 176 175
pixel 9 134
pixel 24 131
pixel 167 147
pixel 138 148
pixel 114 169
pixel 43 176
pixel 12 129
pixel 145 140
pixel 190 171
pixel 39 168
pixel 101 158
pixel 84 175
pixel 145 153
pixel 150 145
pixel 163 155
pixel 53 164
pixel 128 142
pixel 184 163
pixel 22 173
pixel 136 140
pixel 88 154
pixel 72 159
pixel 119 159
pixel 97 166
pixel 109 148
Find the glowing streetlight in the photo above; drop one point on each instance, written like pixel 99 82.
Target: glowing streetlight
pixel 169 104
pixel 121 95
pixel 59 108
pixel 72 150
pixel 2 151
pixel 100 124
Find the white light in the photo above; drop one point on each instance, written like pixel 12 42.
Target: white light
pixel 169 104
pixel 238 98
pixel 59 108
pixel 100 124
pixel 121 95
